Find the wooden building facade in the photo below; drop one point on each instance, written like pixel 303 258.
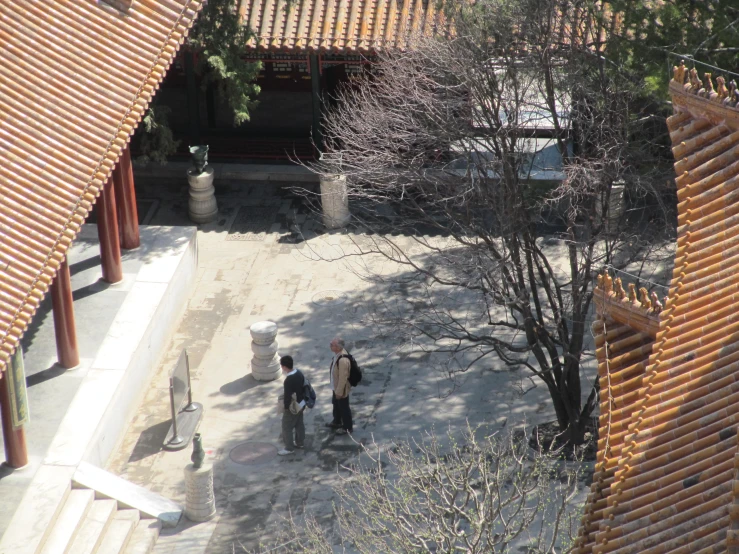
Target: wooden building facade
pixel 308 50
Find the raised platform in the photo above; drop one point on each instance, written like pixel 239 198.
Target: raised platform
pixel 79 415
pixel 287 173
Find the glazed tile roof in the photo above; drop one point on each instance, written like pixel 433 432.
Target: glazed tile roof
pixel 340 25
pixel 665 480
pixel 370 25
pixel 75 79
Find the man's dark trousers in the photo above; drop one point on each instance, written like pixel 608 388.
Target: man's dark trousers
pixel 293 422
pixel 342 412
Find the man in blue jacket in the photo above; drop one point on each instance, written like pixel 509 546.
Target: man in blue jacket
pixel 292 418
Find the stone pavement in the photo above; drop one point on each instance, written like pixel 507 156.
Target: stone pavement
pixel 267 277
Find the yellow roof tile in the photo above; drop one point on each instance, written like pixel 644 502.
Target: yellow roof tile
pixel 338 25
pixel 668 483
pixel 75 79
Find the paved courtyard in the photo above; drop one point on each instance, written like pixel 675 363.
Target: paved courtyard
pixel 247 274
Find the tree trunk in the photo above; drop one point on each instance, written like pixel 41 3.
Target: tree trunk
pixel 576 431
pixel 560 409
pixel 573 427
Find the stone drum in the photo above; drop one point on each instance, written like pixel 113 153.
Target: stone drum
pixel 265 365
pixel 200 501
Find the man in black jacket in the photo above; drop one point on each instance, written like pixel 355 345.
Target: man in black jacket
pixel 292 418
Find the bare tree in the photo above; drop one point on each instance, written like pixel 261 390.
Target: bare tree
pixel 460 494
pixel 445 146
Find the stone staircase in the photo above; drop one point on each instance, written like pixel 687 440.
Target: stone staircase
pixel 87 523
pixel 94 512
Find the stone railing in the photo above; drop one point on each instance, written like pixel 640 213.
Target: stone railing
pixel 640 310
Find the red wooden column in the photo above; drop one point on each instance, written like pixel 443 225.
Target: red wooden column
pixel 110 245
pixel 16 452
pixel 125 198
pixel 64 326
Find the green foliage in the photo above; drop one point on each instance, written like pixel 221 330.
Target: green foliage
pixel 651 31
pixel 157 142
pixel 219 37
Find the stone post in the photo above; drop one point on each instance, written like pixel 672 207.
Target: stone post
pixel 200 501
pixel 202 205
pixel 615 208
pixel 335 201
pixel 265 365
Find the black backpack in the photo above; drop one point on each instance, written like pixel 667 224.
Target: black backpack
pixel 309 395
pixel 355 373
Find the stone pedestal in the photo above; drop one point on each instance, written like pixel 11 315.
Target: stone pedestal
pixel 334 201
pixel 265 365
pixel 202 206
pixel 615 208
pixel 200 502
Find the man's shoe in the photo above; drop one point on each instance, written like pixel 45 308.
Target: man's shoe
pixel 342 432
pixel 285 452
pixel 300 446
pixel 333 425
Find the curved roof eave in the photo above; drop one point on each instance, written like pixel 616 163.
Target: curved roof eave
pixel 76 77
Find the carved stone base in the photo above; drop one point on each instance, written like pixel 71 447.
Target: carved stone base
pixel 202 206
pixel 200 501
pixel 267 372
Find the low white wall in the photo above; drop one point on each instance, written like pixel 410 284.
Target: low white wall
pixel 161 286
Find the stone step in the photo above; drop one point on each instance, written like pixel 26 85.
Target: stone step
pixel 144 537
pixel 119 532
pixel 68 522
pixel 128 494
pixel 93 528
pixel 38 510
